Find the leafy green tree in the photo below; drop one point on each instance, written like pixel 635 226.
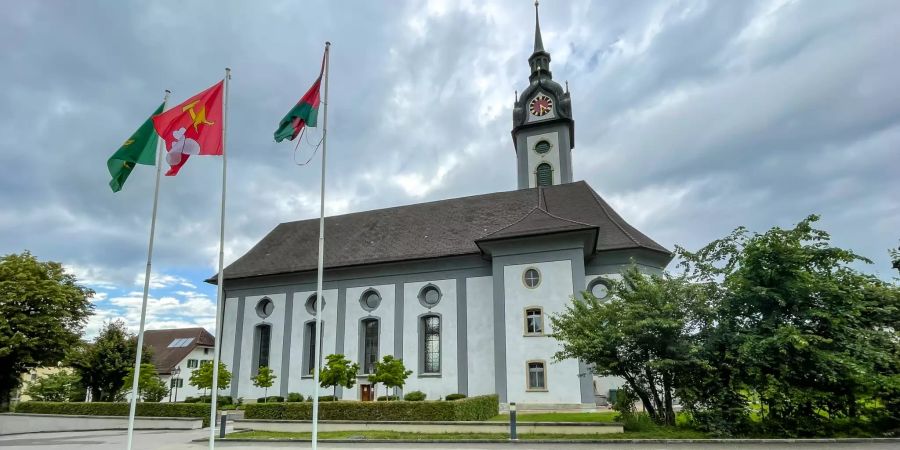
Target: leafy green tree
pixel 895 258
pixel 643 334
pixel 151 388
pixel 338 371
pixel 800 335
pixel 62 386
pixel 391 373
pixel 202 377
pixel 104 363
pixel 264 378
pixel 43 312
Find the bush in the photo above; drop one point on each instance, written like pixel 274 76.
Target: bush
pixel 414 396
pixel 222 399
pixel 387 398
pixel 270 399
pixel 200 411
pixel 295 397
pixel 327 398
pixel 455 397
pixel 470 409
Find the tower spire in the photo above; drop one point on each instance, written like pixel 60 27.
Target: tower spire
pixel 538 42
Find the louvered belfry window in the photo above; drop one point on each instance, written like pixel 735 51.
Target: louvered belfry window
pixel 544 175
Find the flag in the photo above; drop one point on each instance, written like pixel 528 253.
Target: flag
pixel 304 113
pixel 140 148
pixel 192 128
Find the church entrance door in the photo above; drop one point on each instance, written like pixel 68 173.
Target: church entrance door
pixel 366 393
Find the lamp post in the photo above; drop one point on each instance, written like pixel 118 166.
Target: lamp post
pixel 175 372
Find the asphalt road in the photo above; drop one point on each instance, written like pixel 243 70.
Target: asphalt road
pixel 181 440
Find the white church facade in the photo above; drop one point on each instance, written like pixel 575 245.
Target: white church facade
pixel 460 289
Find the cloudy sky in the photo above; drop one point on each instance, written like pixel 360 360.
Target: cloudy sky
pixel 693 117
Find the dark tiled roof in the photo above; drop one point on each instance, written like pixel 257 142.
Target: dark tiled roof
pixel 536 222
pixel 164 357
pixel 436 229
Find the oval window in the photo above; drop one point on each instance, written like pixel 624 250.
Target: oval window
pixel 430 296
pixel 265 307
pixel 542 147
pixel 370 300
pixel 311 304
pixel 531 278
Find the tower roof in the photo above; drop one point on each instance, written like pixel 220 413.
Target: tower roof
pixel 538 42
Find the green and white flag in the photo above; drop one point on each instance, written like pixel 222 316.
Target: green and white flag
pixel 140 148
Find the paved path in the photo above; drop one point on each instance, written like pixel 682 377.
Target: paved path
pixel 180 440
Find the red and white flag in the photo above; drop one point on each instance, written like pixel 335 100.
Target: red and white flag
pixel 192 128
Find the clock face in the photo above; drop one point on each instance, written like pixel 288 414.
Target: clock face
pixel 540 105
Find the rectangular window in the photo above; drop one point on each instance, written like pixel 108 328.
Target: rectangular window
pixel 432 344
pixel 265 335
pixel 537 376
pixel 192 364
pixel 176 381
pixel 534 321
pixel 370 345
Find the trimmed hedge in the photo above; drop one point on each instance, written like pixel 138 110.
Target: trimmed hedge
pixel 144 409
pixel 414 396
pixel 226 399
pixel 270 399
pixel 385 398
pixel 294 397
pixel 453 397
pixel 469 409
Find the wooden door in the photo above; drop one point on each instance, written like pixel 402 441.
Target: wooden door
pixel 365 393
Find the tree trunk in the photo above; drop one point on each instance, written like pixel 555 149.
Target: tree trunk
pixel 667 387
pixel 657 402
pixel 645 400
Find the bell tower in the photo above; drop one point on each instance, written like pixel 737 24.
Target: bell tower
pixel 543 131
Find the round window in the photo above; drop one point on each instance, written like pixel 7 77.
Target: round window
pixel 311 304
pixel 600 289
pixel 531 278
pixel 370 300
pixel 429 296
pixel 265 307
pixel 542 147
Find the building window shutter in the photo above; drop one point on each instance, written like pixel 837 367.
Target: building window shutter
pixel 544 175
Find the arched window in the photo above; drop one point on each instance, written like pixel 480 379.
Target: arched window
pixel 262 340
pixel 309 351
pixel 431 344
pixel 544 174
pixel 369 335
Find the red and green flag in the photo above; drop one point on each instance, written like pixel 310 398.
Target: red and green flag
pixel 140 148
pixel 303 114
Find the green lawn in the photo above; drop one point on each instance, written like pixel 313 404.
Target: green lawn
pixel 661 433
pixel 606 416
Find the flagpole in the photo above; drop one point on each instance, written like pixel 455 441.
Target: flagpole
pixel 220 297
pixel 140 342
pixel 319 299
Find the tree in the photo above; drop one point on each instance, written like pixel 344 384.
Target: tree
pixel 62 386
pixel 264 378
pixel 895 258
pixel 104 364
pixel 391 373
pixel 202 377
pixel 644 334
pixel 338 371
pixel 43 312
pixel 150 387
pixel 800 335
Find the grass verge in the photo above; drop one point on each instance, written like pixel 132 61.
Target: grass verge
pixel 661 433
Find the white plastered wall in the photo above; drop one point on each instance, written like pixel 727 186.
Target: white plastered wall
pixel 251 320
pixel 299 381
pixel 434 387
pixel 355 313
pixel 552 294
pixel 480 335
pixel 551 157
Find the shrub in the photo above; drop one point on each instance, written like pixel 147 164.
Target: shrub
pixel 270 399
pixel 294 397
pixel 388 398
pixel 469 409
pixel 327 398
pixel 414 396
pixel 455 396
pixel 192 400
pixel 200 411
pixel 222 399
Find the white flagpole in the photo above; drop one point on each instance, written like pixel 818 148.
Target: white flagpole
pixel 319 302
pixel 140 342
pixel 220 300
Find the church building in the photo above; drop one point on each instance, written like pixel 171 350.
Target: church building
pixel 460 289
